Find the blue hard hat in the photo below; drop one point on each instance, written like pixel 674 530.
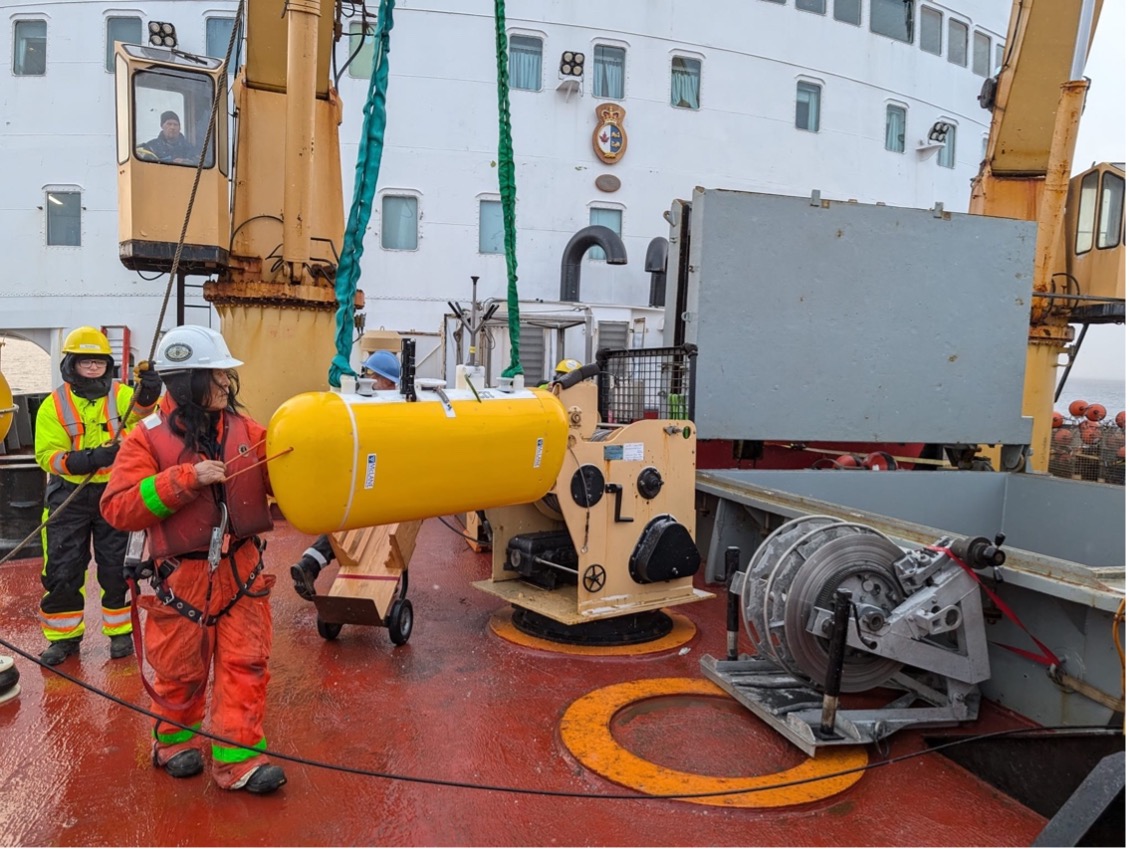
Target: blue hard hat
pixel 384 364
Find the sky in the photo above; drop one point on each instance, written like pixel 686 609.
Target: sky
pixel 1102 137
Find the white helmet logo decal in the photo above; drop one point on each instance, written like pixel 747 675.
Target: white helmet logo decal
pixel 178 352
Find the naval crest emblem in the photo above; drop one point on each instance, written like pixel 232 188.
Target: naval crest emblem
pixel 609 139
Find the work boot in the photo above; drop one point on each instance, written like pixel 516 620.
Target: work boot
pixel 58 651
pixel 183 764
pixel 121 646
pixel 304 572
pixel 265 779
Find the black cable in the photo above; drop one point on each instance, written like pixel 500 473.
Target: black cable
pixel 457 531
pixel 490 788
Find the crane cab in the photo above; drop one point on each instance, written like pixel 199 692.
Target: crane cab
pixel 164 105
pixel 1096 239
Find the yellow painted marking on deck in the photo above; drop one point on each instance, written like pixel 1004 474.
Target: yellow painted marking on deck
pixel 682 632
pixel 586 731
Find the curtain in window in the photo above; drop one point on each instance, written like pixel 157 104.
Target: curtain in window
pixel 808 106
pixel 612 219
pixel 491 236
pixel 608 72
pixel 398 222
pixel 525 63
pixel 896 129
pixel 684 82
pixel 946 155
pixel 30 55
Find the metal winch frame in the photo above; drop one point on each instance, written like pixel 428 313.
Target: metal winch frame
pixel 835 605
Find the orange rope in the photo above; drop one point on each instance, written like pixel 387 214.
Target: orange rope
pixel 261 461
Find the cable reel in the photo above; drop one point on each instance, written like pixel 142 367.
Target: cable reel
pixel 796 571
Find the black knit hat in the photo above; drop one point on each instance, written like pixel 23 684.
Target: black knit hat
pixel 167 114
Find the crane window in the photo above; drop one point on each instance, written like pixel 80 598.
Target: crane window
pixel 1110 211
pixel 171 113
pixel 1088 196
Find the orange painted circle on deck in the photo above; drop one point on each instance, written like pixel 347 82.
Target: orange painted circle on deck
pixel 680 634
pixel 586 729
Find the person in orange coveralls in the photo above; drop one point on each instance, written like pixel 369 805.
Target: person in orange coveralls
pixel 189 476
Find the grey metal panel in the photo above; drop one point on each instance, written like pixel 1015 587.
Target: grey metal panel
pixel 852 322
pixel 531 353
pixel 1080 522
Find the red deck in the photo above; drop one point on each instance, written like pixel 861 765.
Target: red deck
pixel 457 705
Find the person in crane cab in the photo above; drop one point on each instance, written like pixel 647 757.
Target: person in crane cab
pixel 76 433
pixel 192 476
pixel 384 368
pixel 169 146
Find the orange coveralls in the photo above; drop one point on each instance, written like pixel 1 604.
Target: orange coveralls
pixel 240 639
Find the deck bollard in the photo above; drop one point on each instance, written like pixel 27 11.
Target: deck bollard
pixel 732 557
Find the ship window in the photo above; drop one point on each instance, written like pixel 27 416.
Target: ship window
pixel 896 128
pixel 361 54
pixel 685 79
pixel 781 2
pixel 817 6
pixel 808 106
pixel 999 61
pixel 608 71
pixel 64 218
pixel 491 236
pixel 931 37
pixel 894 19
pixel 982 50
pixel 1085 230
pixel 609 218
pixel 399 218
pixel 29 53
pixel 172 109
pixel 127 30
pixel 1110 210
pixel 525 63
pixel 848 11
pixel 959 43
pixel 217 34
pixel 947 153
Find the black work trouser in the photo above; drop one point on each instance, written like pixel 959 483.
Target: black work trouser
pixel 67 550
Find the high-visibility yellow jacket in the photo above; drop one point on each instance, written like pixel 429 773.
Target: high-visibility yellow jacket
pixel 68 423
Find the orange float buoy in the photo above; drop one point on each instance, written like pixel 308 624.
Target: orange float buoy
pixel 1121 453
pixel 880 461
pixel 847 461
pixel 1078 407
pixel 1057 419
pixel 1120 419
pixel 1062 437
pixel 1095 412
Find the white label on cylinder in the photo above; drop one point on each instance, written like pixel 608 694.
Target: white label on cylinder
pixel 370 470
pixel 537 453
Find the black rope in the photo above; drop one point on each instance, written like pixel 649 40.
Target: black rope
pixel 562 794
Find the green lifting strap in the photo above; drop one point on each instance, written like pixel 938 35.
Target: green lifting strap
pixel 364 188
pixel 506 184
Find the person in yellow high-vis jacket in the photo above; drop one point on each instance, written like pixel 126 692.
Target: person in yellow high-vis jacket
pixel 75 436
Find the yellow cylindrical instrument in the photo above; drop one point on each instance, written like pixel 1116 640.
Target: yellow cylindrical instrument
pixel 360 461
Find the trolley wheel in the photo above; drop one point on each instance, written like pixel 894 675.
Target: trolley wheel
pixel 327 630
pixel 400 621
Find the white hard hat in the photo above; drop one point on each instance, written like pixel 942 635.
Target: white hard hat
pixel 193 347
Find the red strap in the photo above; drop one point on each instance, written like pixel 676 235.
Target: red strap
pixel 139 647
pixel 1047 657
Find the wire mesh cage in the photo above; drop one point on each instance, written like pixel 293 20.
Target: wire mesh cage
pixel 1089 450
pixel 646 384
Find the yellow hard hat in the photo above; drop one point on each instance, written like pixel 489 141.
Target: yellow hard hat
pixel 87 340
pixel 567 365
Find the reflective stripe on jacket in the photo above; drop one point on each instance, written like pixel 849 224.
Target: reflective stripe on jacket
pixel 66 422
pixel 153 485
